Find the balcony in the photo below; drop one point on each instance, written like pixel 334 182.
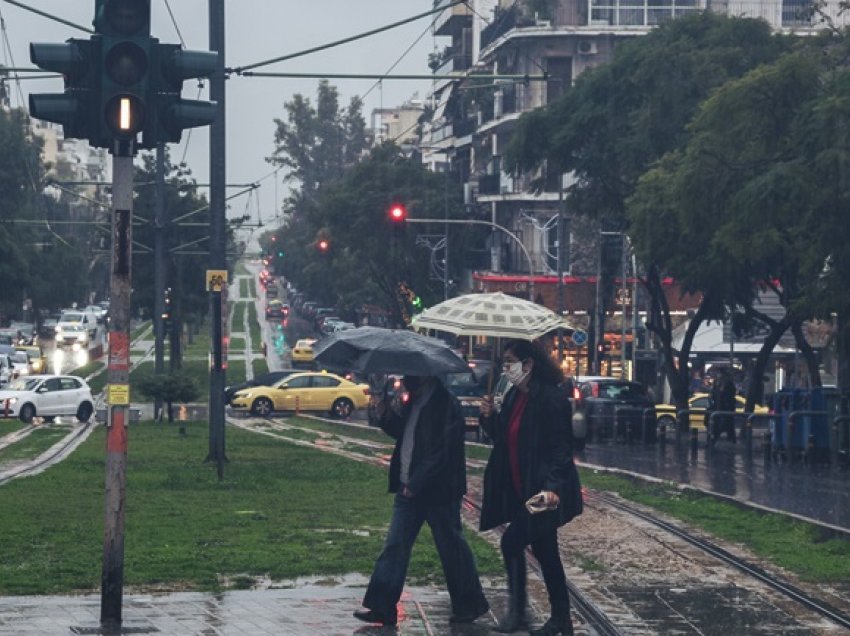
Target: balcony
pixel 489 184
pixel 464 127
pixel 453 62
pixel 451 19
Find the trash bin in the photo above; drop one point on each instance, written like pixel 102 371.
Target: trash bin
pixel 820 406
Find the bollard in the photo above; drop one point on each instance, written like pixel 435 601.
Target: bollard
pixel 628 431
pixel 297 405
pixel 768 451
pixel 694 441
pixel 6 408
pixel 748 435
pixel 833 444
pixel 788 448
pixel 662 437
pixel 809 455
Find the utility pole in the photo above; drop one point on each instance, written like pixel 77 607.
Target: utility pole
pixel 118 389
pixel 560 265
pixel 159 273
pixel 218 176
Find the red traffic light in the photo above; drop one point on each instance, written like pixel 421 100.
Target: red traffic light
pixel 323 245
pixel 398 213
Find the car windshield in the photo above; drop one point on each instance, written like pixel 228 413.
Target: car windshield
pixel 625 391
pixel 73 328
pixel 72 317
pixel 23 384
pixel 20 356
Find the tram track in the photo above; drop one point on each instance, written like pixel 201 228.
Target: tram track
pixel 55 453
pixel 775 583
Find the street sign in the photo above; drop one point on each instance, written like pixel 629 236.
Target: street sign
pixel 216 278
pixel 579 337
pixel 118 394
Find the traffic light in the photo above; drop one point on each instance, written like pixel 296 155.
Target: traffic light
pixel 124 44
pixel 398 213
pixel 323 245
pixel 74 109
pixel 170 114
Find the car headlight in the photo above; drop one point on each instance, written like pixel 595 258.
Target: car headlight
pixel 12 401
pixel 83 336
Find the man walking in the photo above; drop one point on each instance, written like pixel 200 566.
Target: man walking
pixel 428 476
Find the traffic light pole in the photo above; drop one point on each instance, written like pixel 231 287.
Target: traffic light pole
pixel 118 388
pixel 218 180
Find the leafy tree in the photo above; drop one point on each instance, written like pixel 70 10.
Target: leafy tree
pixel 368 255
pixel 314 143
pixel 171 388
pixel 622 117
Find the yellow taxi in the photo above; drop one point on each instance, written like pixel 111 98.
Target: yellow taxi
pixel 305 391
pixel 697 404
pixel 302 352
pixel 38 361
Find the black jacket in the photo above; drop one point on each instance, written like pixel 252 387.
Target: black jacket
pixel 438 465
pixel 545 460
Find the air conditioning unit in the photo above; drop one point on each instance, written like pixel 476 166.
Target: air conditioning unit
pixel 587 47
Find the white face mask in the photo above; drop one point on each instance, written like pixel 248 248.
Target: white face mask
pixel 514 372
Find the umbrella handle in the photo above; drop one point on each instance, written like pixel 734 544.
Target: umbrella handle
pixel 492 370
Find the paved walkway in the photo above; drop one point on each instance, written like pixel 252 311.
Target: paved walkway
pixel 320 610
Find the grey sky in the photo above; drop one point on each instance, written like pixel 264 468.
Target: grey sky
pixel 257 30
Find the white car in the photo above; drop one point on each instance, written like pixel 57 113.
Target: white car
pixel 20 364
pixel 47 396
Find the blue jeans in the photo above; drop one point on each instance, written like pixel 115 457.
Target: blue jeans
pixel 462 580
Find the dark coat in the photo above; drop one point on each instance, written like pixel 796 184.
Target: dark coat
pixel 438 465
pixel 545 460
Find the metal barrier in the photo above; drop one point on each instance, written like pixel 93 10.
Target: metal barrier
pixel 808 450
pixel 838 451
pixel 624 427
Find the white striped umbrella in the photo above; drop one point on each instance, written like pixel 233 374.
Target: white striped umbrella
pixel 494 314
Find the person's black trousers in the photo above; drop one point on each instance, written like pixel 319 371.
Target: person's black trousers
pixel 459 568
pixel 544 546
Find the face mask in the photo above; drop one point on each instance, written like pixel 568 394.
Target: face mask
pixel 412 382
pixel 514 372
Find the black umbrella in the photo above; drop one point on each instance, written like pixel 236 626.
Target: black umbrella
pixel 381 351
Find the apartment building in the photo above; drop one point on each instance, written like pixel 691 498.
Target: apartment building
pixel 512 44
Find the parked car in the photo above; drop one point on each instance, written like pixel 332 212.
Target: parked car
pixel 612 408
pixel 266 379
pixel 302 352
pixel 47 396
pixel 697 405
pixel 306 391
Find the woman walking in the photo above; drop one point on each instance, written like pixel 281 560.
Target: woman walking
pixel 531 458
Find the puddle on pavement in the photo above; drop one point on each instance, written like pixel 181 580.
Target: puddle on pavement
pixel 719 611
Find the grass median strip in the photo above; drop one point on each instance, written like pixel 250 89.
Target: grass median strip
pixel 281 511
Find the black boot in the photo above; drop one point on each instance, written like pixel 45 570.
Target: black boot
pixel 554 626
pixel 514 620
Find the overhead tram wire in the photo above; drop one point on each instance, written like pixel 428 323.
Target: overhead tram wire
pixel 240 70
pixel 49 16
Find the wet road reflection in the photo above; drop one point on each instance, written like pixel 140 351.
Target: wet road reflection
pixel 818 491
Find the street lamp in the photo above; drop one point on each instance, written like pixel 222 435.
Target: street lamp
pixel 498 227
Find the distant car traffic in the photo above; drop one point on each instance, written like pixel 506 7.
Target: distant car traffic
pixel 274 309
pixel 302 352
pixel 47 396
pixel 697 405
pixel 266 379
pixel 305 391
pixel 38 361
